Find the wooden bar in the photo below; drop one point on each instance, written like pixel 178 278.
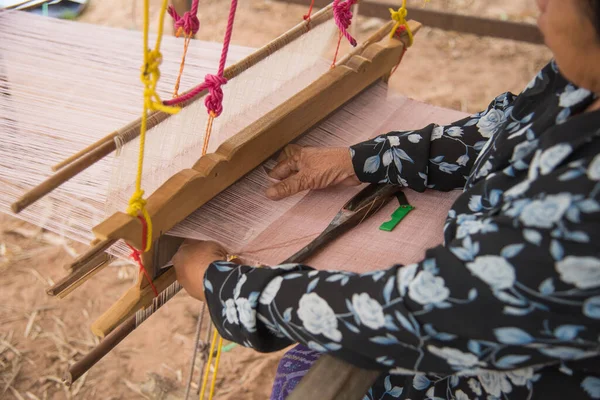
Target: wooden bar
pixel 518 31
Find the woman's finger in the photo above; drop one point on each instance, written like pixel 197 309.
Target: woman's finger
pixel 285 168
pixel 288 151
pixel 288 187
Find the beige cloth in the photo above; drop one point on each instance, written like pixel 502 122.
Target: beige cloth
pixel 366 247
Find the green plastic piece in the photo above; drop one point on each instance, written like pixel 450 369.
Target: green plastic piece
pixel 228 347
pixel 397 216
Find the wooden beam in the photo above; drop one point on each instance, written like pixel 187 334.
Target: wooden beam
pixel 518 31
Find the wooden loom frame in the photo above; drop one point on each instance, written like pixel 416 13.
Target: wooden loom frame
pixel 190 188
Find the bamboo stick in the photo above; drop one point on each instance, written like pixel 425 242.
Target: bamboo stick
pixel 98 352
pixel 83 160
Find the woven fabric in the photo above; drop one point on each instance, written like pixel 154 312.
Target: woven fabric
pixel 365 247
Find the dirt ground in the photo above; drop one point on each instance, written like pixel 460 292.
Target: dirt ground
pixel 39 335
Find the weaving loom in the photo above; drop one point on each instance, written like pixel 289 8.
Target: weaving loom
pixel 284 92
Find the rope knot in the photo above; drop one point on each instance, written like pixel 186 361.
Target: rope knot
pixel 189 22
pixel 400 18
pixel 137 203
pixel 342 14
pixel 214 99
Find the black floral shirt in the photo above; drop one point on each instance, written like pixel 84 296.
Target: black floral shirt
pixel 508 307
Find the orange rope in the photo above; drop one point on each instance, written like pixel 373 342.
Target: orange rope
pixel 186 43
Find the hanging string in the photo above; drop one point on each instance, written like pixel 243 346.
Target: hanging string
pixel 188 24
pixel 186 44
pixel 307 15
pixel 212 83
pixel 342 15
pixel 149 77
pixel 137 256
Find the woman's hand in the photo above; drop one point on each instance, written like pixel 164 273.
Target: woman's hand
pixel 191 262
pixel 302 168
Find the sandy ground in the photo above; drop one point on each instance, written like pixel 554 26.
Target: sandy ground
pixel 40 335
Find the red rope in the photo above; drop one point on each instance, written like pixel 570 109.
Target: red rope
pixel 137 255
pixel 399 31
pixel 307 15
pixel 212 83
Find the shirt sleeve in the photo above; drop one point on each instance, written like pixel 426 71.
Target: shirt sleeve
pixel 517 290
pixel 436 157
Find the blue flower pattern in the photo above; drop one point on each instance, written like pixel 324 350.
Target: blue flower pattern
pixel 507 308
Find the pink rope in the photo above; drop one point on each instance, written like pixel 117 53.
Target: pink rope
pixel 342 14
pixel 212 83
pixel 189 22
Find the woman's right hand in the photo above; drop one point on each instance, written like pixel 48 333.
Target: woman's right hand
pixel 302 168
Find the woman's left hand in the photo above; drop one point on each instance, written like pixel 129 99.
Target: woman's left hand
pixel 192 261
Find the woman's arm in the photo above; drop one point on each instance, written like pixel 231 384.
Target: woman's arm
pixel 436 157
pixel 517 290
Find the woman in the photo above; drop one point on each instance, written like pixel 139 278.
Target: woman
pixel 509 306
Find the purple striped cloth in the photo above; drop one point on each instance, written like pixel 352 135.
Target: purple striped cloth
pixel 292 368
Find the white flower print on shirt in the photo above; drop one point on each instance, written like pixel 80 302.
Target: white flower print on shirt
pixel 495 383
pixel 523 149
pixel 463 160
pixel 593 171
pixel 475 386
pixel 572 96
pixel 369 310
pixel 231 312
pixel 238 286
pixel 317 317
pixel 394 140
pixel 455 357
pixel 493 270
pixel 270 291
pixel 484 170
pixel 520 377
pixel 414 138
pixel 427 288
pixel 454 131
pixel 554 156
pixel 517 190
pixel 247 313
pixel 405 276
pixel 583 272
pixel 437 133
pixel 545 213
pixel 490 123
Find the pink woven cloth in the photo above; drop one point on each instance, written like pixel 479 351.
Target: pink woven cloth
pixel 366 247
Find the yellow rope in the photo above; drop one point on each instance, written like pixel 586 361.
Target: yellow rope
pixel 214 377
pixel 213 343
pixel 400 18
pixel 149 76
